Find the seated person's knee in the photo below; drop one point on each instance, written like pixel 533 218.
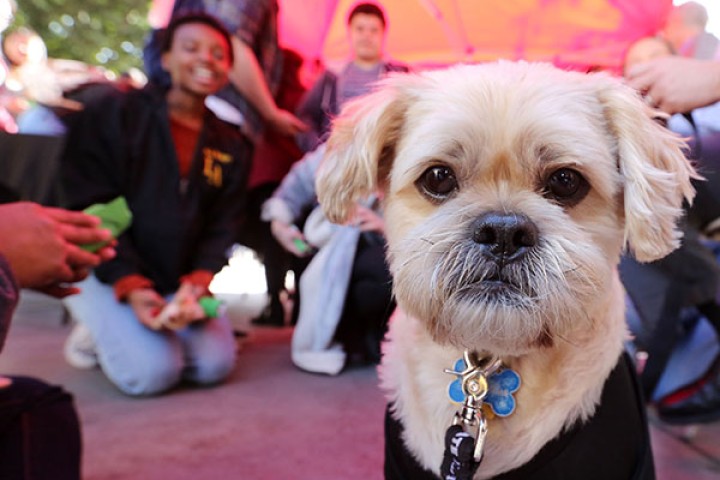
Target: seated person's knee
pixel 149 379
pixel 212 369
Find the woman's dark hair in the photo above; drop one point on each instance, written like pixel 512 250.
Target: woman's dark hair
pixel 195 16
pixel 368 9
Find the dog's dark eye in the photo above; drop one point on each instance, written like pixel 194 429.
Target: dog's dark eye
pixel 567 186
pixel 438 182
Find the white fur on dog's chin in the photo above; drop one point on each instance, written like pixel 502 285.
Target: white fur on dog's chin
pixel 560 386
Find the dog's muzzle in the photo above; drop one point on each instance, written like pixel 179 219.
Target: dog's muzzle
pixel 504 237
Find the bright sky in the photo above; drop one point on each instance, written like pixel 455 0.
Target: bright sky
pixel 713 9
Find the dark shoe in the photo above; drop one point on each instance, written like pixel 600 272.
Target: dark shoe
pixel 700 406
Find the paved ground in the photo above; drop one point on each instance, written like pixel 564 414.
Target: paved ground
pixel 268 421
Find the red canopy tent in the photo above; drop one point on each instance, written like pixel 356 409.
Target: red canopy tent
pixel 572 33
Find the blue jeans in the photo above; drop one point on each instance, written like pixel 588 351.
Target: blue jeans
pixel 141 361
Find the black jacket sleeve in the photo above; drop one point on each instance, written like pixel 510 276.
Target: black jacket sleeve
pixel 94 169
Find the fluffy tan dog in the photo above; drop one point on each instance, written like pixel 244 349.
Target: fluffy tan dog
pixel 511 190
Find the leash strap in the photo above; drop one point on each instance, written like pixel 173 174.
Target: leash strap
pixel 478 381
pixel 458 460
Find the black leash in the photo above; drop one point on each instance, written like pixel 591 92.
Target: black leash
pixel 479 381
pixel 459 459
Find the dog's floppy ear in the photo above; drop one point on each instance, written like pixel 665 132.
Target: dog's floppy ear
pixel 360 149
pixel 656 174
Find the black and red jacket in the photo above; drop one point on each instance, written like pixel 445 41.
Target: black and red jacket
pixel 121 144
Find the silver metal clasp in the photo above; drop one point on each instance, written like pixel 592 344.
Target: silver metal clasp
pixel 475 387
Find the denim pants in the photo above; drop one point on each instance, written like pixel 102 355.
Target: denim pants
pixel 39 432
pixel 141 361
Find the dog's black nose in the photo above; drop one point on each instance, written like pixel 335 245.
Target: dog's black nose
pixel 505 236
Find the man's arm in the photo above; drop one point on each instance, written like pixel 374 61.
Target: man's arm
pixel 246 75
pixel 677 84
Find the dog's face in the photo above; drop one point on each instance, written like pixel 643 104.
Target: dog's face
pixel 510 192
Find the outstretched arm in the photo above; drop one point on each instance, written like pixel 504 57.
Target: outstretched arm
pixel 246 75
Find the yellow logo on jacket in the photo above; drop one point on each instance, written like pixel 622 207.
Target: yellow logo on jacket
pixel 211 165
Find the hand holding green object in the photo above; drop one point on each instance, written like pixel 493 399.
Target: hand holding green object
pixel 301 245
pixel 115 216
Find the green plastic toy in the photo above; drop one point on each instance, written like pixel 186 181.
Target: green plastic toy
pixel 301 245
pixel 212 307
pixel 114 215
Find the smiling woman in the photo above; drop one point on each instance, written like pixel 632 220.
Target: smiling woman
pixel 197 53
pixel 184 175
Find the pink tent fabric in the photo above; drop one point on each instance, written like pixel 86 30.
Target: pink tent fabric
pixel 572 33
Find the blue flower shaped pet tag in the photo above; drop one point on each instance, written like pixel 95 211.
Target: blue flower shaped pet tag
pixel 501 386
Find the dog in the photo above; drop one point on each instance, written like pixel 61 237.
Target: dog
pixel 510 192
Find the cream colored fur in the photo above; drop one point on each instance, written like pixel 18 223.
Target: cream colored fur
pixel 503 128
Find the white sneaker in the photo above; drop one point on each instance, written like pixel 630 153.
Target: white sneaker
pixel 80 348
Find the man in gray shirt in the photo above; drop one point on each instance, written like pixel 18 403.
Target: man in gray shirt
pixel 366 27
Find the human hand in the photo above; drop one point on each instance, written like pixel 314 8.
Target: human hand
pixel 81 229
pixel 184 308
pixel 367 220
pixel 42 245
pixel 146 303
pixel 290 238
pixel 286 123
pixel 676 84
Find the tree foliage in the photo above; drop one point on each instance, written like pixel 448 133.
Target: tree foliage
pixel 108 33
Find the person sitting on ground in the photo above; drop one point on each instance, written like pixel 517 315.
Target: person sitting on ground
pixel 39 249
pixel 366 33
pixel 345 293
pixel 183 173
